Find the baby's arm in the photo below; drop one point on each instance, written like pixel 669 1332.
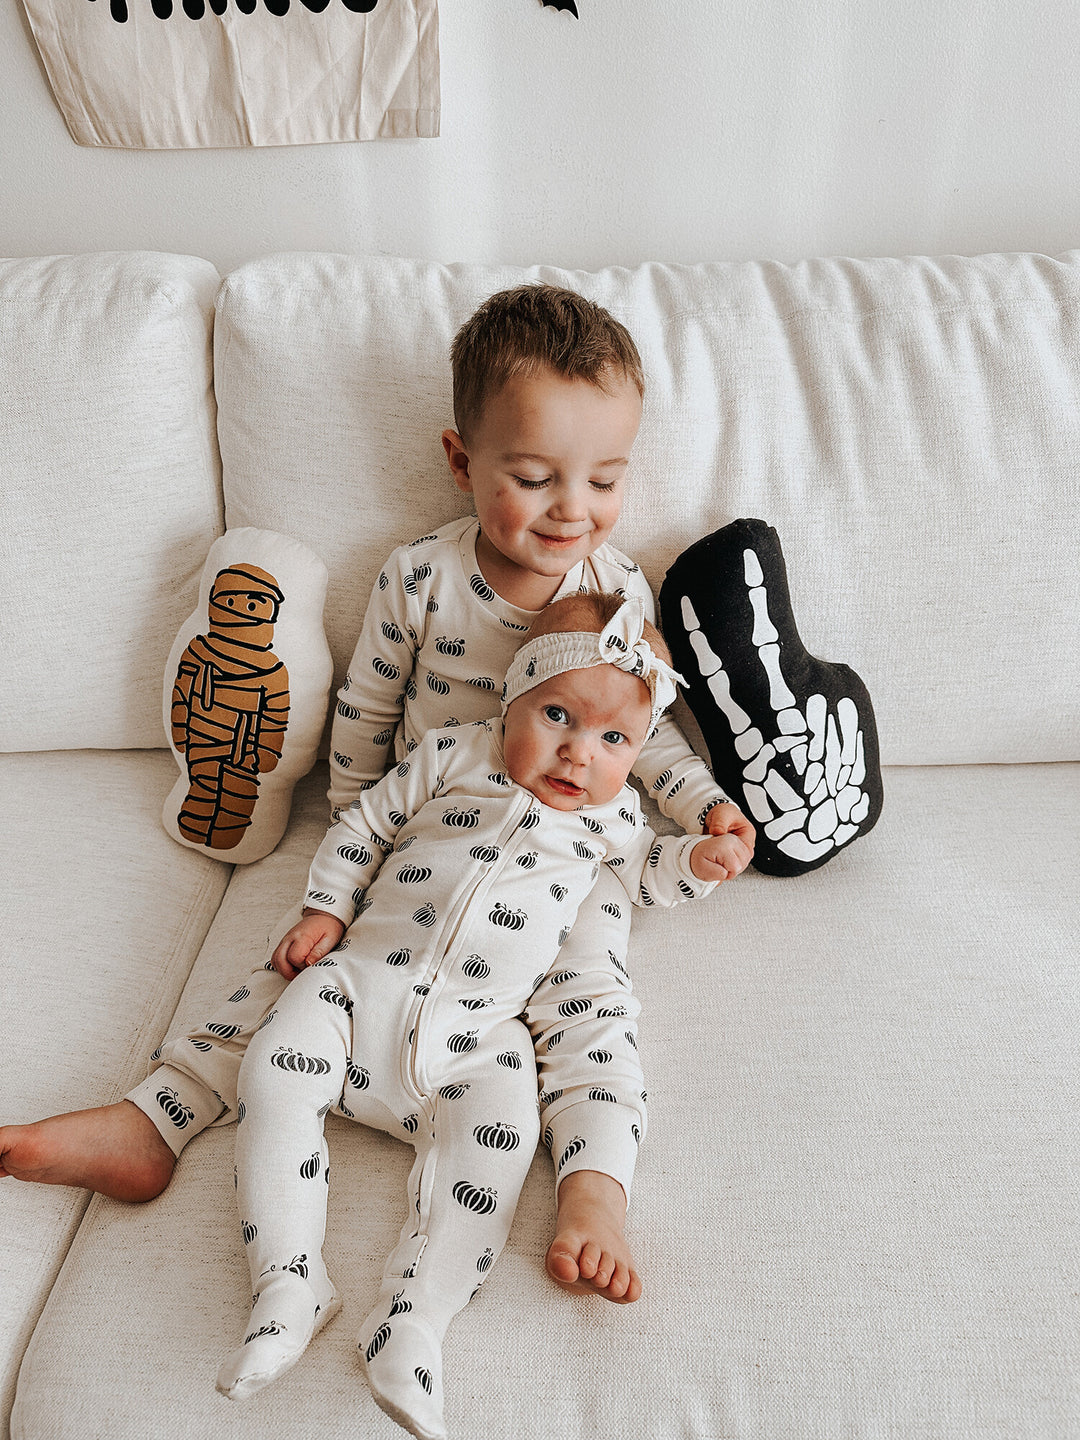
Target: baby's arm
pixel 660 869
pixel 371 701
pixel 309 940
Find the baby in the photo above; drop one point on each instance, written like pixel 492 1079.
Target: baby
pixel 454 882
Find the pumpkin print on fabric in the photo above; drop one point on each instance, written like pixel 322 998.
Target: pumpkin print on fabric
pixel 480 1199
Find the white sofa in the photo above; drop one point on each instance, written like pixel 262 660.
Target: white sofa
pixel 856 1212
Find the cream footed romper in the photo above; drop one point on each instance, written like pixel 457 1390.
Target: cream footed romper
pixel 459 889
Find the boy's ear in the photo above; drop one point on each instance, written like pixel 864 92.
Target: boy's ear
pixel 458 458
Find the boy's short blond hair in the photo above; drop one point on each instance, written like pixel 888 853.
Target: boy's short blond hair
pixel 589 612
pixel 519 331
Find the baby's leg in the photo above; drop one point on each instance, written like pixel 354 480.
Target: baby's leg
pixel 291 1076
pixel 592 1098
pixel 474 1147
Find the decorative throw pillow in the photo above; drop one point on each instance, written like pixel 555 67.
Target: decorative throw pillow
pixel 246 692
pixel 791 738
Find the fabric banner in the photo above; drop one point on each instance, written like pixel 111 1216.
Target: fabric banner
pixel 175 74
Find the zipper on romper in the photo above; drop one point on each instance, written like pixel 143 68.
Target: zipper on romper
pixel 451 931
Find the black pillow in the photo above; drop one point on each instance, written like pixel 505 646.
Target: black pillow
pixel 791 738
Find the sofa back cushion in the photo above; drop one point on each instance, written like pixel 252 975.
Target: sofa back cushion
pixel 111 487
pixel 910 427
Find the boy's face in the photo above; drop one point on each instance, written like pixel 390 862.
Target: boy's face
pixel 572 740
pixel 546 466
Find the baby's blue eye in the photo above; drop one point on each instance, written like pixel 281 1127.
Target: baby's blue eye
pixel 555 713
pixel 614 737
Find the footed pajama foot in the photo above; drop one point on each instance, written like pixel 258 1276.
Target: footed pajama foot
pixel 285 1318
pixel 403 1357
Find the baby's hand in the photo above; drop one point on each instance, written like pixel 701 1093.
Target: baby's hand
pixel 306 943
pixel 719 857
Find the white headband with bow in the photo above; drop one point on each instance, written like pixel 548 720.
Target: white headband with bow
pixel 621 643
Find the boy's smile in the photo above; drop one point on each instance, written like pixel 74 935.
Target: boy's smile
pixel 572 740
pixel 545 467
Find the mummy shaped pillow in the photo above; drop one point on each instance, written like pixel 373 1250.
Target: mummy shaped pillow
pixel 791 738
pixel 245 694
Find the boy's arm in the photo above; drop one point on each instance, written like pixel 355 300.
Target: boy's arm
pixel 371 700
pixel 669 767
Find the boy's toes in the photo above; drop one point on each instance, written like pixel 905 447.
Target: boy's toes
pixel 562 1263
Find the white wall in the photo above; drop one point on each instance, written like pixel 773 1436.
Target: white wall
pixel 706 129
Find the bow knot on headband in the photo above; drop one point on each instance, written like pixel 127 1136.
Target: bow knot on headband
pixel 621 643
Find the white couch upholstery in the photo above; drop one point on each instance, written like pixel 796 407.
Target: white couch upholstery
pixel 856 1211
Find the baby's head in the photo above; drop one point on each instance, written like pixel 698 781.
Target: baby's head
pixel 582 695
pixel 547 402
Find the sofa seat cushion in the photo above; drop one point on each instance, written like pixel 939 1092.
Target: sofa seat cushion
pixel 103 916
pixel 854 1212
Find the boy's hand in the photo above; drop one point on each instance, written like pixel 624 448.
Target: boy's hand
pixel 720 857
pixel 306 943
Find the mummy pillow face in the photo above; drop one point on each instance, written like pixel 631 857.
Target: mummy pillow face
pixel 791 738
pixel 245 694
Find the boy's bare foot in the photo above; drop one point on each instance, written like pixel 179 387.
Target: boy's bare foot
pixel 589 1254
pixel 114 1149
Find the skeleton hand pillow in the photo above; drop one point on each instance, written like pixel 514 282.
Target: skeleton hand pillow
pixel 245 694
pixel 790 737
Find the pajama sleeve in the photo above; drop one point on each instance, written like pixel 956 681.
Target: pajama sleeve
pixel 353 849
pixel 655 869
pixel 669 767
pixel 371 700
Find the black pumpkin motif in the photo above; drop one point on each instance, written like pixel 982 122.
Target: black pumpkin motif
pixel 413 874
pixel 408 583
pixel 499 1136
pixel 410 691
pixel 180 1115
pixel 661 780
pixel 399 1305
pixel 475 1003
pixel 530 820
pixel 486 854
pixel 508 919
pixel 485 1262
pixel 628 816
pixel 686 890
pixel 343 760
pixel 241 1111
pixel 203 1045
pixel 274 1328
pixel 347 712
pixel 476 968
pixel 383 582
pixel 391 631
pixel 555 1038
pixel 410 1124
pixel 446 742
pixel 425 916
pixel 399 957
pixel 333 996
pixel 561 976
pixel 574 1148
pixel 549 1097
pixel 288 1059
pixel 447 646
pixel 600 1057
pixel 483 682
pixel 462 1044
pixel 646 898
pixel 548 1137
pixel 499 779
pixel 591 824
pixel 461 819
pixel 481 1200
pixel 357 1076
pixel 564 935
pixel 385 669
pixel 377 1341
pixel 598 1094
pixel 480 588
pixel 320 897
pixel 583 852
pixel 241 994
pixel 631 1040
pixel 453 1092
pixel 558 892
pixel 436 685
pixel 528 860
pixel 509 1059
pixel 422 571
pixel 580 1005
pixel 676 787
pixel 636 1133
pixel 424 1378
pixel 610 908
pixel 248 1232
pixel 383 737
pixel 310 1168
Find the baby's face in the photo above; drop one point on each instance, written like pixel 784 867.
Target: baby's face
pixel 546 467
pixel 572 740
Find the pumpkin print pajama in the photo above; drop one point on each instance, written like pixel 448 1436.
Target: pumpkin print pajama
pixel 433 651
pixel 459 889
